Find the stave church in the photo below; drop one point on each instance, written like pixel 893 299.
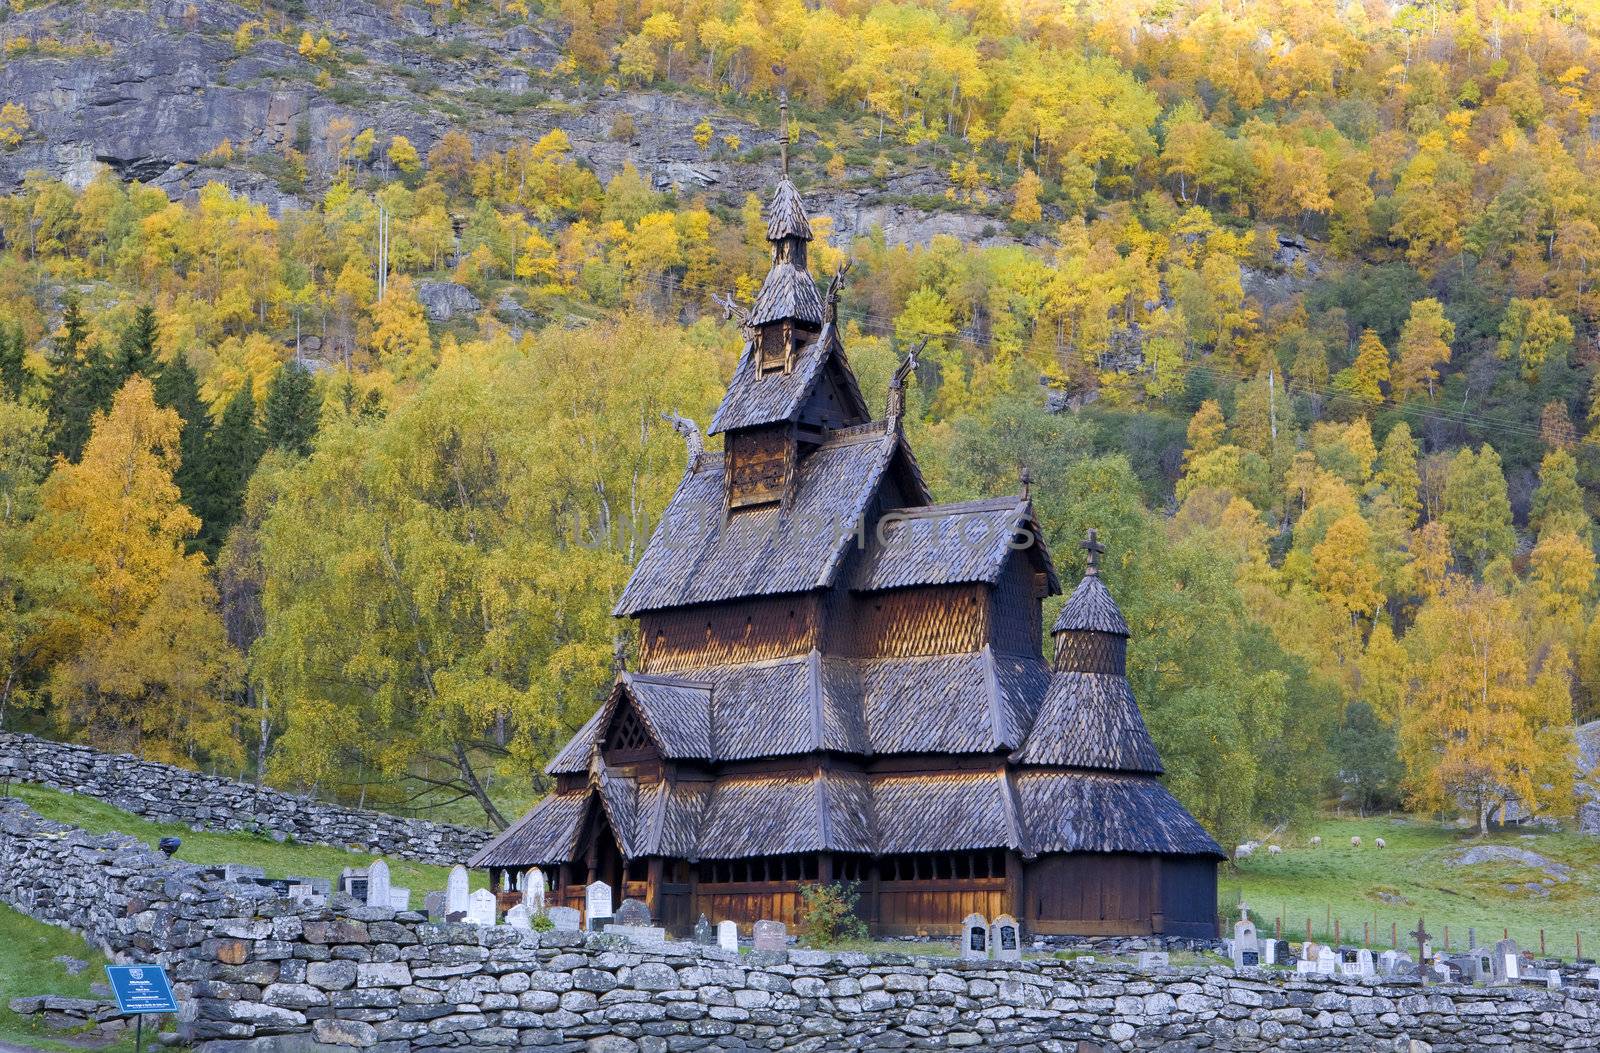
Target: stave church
pixel 840 680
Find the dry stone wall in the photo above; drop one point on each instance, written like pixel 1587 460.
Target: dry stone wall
pixel 167 794
pixel 256 975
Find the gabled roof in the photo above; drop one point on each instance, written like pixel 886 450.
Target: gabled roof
pixel 699 554
pixel 962 703
pixel 754 398
pixel 1090 608
pixel 1090 720
pixel 677 713
pixel 786 214
pixel 547 834
pixel 949 544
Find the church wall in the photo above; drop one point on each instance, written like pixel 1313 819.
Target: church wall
pixel 723 634
pixel 1015 615
pixel 1091 894
pixel 902 623
pixel 1189 896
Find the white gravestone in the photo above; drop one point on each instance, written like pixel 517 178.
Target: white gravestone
pixel 399 899
pixel 481 908
pixel 1327 961
pixel 563 919
pixel 517 917
pixel 533 889
pixel 378 884
pixel 975 938
pixel 1005 939
pixel 456 891
pixel 1553 979
pixel 728 936
pixel 1154 959
pixel 1246 949
pixel 1363 963
pixel 596 905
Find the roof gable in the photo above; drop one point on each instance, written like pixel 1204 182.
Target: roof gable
pixel 755 398
pixel 950 544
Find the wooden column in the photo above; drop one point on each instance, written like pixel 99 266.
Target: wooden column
pixel 1016 888
pixel 825 867
pixel 1158 914
pixel 874 907
pixel 653 877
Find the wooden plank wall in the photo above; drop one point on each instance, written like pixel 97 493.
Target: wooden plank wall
pixel 758 465
pixel 752 631
pixel 903 623
pixel 935 908
pixel 1090 895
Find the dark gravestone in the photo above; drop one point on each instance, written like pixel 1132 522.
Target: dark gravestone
pixel 1249 959
pixel 633 912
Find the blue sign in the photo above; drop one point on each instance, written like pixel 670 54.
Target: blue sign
pixel 141 988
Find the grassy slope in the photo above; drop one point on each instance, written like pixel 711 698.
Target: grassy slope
pixel 26 950
pixel 1349 884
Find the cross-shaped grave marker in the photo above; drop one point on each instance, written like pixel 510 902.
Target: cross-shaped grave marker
pixel 1422 936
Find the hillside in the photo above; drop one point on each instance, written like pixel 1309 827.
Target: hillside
pixel 335 342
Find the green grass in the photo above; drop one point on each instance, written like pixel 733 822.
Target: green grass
pixel 1409 878
pixel 27 968
pixel 279 860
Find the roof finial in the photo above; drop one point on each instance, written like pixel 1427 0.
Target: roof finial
pixel 897 385
pixel 835 284
pixel 1027 483
pixel 619 654
pixel 783 116
pixel 690 431
pixel 1091 545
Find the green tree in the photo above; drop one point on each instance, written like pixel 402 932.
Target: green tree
pixel 13 361
pixel 1397 470
pixel 136 348
pixel 1476 510
pixel 291 411
pixel 84 384
pixel 1558 501
pixel 232 449
pixel 177 389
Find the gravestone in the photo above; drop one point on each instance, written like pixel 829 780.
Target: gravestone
pixel 1304 967
pixel 456 891
pixel 771 936
pixel 517 917
pixel 1154 960
pixel 1363 964
pixel 1246 948
pixel 235 872
pixel 534 889
pixel 728 936
pixel 644 935
pixel 564 919
pixel 1005 939
pixel 1327 961
pixel 596 906
pixel 481 908
pixel 633 912
pixel 399 899
pixel 433 906
pixel 1309 951
pixel 975 938
pixel 1507 963
pixel 1475 968
pixel 378 884
pixel 1593 974
pixel 1552 979
pixel 353 882
pixel 1387 962
pixel 703 933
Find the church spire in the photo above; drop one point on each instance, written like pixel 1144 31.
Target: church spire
pixel 788 309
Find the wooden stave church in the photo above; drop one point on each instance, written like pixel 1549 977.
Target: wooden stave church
pixel 840 680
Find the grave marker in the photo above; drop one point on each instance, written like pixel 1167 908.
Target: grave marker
pixel 399 899
pixel 1154 959
pixel 1327 961
pixel 633 912
pixel 534 889
pixel 517 917
pixel 378 884
pixel 771 936
pixel 1005 939
pixel 433 906
pixel 1246 948
pixel 456 891
pixel 703 933
pixel 1507 961
pixel 728 936
pixel 564 919
pixel 975 938
pixel 596 905
pixel 481 908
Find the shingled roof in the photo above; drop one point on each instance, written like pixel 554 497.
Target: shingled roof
pixel 786 214
pixel 1090 608
pixel 1090 720
pixel 754 398
pixel 950 543
pixel 700 555
pixel 764 814
pixel 787 292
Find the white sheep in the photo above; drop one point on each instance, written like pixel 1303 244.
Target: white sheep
pixel 1273 850
pixel 1316 842
pixel 1243 852
pixel 1355 842
pixel 1380 842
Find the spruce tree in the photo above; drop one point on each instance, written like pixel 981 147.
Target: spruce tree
pixel 231 452
pixel 178 389
pixel 13 353
pixel 291 409
pixel 136 350
pixel 84 384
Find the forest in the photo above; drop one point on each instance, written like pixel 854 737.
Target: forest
pixel 1292 302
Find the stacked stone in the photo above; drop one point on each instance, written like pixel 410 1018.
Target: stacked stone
pixel 344 974
pixel 167 794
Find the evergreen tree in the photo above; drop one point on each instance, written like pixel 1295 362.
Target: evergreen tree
pixel 291 410
pixel 178 389
pixel 13 370
pixel 1558 502
pixel 136 350
pixel 231 452
pixel 85 383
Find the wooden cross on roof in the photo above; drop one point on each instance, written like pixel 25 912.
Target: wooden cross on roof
pixel 1091 545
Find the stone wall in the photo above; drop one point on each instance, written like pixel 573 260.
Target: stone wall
pixel 256 975
pixel 167 794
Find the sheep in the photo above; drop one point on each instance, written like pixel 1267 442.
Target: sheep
pixel 1316 842
pixel 1380 842
pixel 1243 852
pixel 1273 850
pixel 1355 842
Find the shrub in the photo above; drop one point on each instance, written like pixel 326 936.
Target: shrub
pixel 828 914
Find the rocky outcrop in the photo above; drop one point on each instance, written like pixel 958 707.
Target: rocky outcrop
pixel 443 301
pixel 1588 736
pixel 206 802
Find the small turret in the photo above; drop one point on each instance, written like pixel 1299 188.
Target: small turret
pixel 1091 635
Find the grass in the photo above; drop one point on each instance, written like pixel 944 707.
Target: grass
pixel 279 860
pixel 1393 886
pixel 27 968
